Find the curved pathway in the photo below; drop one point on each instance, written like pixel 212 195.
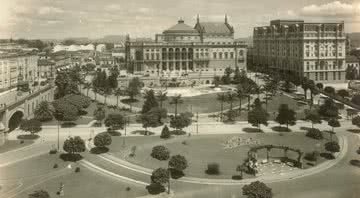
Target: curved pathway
pixel 299 173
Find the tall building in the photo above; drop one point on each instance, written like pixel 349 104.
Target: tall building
pixel 207 48
pixel 312 50
pixel 16 68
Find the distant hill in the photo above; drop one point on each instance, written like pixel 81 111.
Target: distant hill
pixel 354 39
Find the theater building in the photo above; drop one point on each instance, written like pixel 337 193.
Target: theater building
pixel 185 52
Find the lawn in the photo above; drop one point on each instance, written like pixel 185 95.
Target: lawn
pixel 206 103
pixel 76 185
pixel 87 118
pixel 201 150
pixel 13 145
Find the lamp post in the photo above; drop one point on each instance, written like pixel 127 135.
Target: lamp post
pixel 58 116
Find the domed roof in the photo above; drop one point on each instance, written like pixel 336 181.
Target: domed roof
pixel 180 27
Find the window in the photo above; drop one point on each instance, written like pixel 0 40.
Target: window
pixel 241 53
pixel 226 55
pixel 334 75
pixel 220 55
pixel 316 76
pixel 214 55
pixel 321 75
pixel 339 75
pixel 231 54
pixel 326 76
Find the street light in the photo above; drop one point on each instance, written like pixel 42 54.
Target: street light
pixel 58 116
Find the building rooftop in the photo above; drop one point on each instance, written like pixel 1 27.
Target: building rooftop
pixel 180 27
pixel 215 28
pixel 45 62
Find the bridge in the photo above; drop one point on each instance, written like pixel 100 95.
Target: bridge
pixel 21 107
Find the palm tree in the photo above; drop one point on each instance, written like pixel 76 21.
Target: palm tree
pixel 230 98
pixel 240 95
pixel 95 90
pixel 175 101
pixel 117 93
pixel 107 92
pixel 161 96
pixel 249 89
pixel 222 98
pixel 87 86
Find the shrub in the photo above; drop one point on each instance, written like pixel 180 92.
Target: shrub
pixel 77 169
pixel 178 132
pixel 213 169
pixel 332 147
pixel 133 151
pixel 165 133
pixel 315 134
pixel 184 142
pixel 128 189
pixel 68 124
pixel 22 142
pixel 102 140
pixel 55 166
pixel 39 194
pixel 312 156
pixel 53 151
pixel 160 153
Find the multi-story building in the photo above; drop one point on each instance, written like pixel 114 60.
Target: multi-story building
pixel 16 67
pixel 312 50
pixel 204 50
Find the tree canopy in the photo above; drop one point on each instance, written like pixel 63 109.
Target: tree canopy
pixel 102 140
pixel 286 115
pixel 257 189
pixel 74 145
pixel 115 121
pixel 181 121
pixel 32 126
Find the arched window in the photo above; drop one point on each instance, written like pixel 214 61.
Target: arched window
pixel 220 55
pixel 214 55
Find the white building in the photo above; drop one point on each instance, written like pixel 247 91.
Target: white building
pixel 101 47
pixel 73 48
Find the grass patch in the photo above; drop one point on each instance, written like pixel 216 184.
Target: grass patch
pixel 13 145
pixel 28 137
pixel 280 129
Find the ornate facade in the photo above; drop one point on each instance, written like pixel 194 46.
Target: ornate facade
pixel 312 50
pixel 205 49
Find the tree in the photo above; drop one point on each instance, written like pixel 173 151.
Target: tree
pixel 356 121
pixel 89 67
pixel 329 90
pixel 133 88
pixel 43 112
pixel 67 111
pixel 319 85
pixel 333 122
pixel 160 176
pixel 161 96
pixel 329 109
pixel 230 98
pixel 107 92
pixel 313 117
pixel 176 100
pixel 99 113
pixel 153 118
pixel 102 140
pixel 241 168
pixel 237 75
pixel 165 133
pixel 356 99
pixel 39 194
pixel 118 92
pixel 305 85
pixel 115 121
pixel 286 116
pixel 178 162
pixel 257 189
pixel 240 94
pixel 33 126
pixel 160 153
pixel 226 79
pixel 258 116
pixel 87 86
pixel 69 42
pixel 343 93
pixel 332 147
pixel 222 98
pixel 74 145
pixel 249 87
pixel 181 121
pixel 217 81
pixel 150 101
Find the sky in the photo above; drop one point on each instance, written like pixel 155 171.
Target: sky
pixel 57 19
